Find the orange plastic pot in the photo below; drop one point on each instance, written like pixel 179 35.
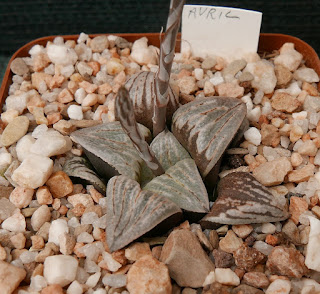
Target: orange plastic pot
pixel 267 43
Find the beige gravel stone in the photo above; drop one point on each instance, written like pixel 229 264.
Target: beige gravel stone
pixel 149 276
pixel 230 242
pixel 15 130
pixel 59 184
pixel 297 207
pixel 40 216
pixel 283 74
pixel 242 231
pixel 10 277
pixel 187 262
pixel 308 148
pixel 287 262
pixel 21 197
pixel 256 279
pixel 230 90
pixel 284 102
pixel 301 175
pixel 18 240
pixel 273 172
pixel 137 250
pixel 44 196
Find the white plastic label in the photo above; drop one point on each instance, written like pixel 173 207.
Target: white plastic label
pixel 231 33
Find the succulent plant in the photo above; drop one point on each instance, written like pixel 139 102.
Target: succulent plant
pixel 150 186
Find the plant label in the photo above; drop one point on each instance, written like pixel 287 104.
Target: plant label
pixel 231 33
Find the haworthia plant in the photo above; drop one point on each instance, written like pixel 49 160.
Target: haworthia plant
pixel 125 114
pixel 132 212
pixel 243 200
pixel 110 150
pixel 79 167
pixel 183 185
pixel 206 126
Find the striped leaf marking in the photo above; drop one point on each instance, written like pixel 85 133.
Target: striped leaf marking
pixel 132 212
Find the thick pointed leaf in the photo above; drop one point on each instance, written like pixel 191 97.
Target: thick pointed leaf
pixel 205 127
pixel 168 150
pixel 79 167
pixel 110 150
pixel 142 90
pixel 183 185
pixel 243 200
pixel 132 212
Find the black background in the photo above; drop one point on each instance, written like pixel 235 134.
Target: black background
pixel 23 21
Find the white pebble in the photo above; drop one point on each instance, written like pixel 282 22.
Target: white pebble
pixel 268 228
pixel 15 223
pixel 38 283
pixel 75 288
pixel 67 71
pixel 75 112
pixel 57 228
pixel 210 278
pixel 226 276
pixel 198 73
pixel 39 131
pixel 267 108
pixel 254 114
pixel 89 218
pixel 93 280
pixel 60 269
pixel 79 95
pixel 247 100
pixel 111 263
pixel 61 54
pixel 82 38
pixel 28 256
pixel 217 79
pixel 253 136
pixel 300 115
pixel 116 280
pixel 258 97
pixel 306 75
pixel 263 247
pixel 85 237
pixel 73 222
pixel 284 141
pixel 279 286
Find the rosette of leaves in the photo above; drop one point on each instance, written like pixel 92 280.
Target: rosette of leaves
pixel 150 186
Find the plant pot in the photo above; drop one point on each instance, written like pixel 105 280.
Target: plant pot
pixel 267 43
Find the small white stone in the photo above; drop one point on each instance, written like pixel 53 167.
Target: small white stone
pixel 75 288
pixel 15 223
pixel 39 131
pixel 57 228
pixel 38 283
pixel 198 73
pixel 33 171
pixel 83 37
pixel 226 276
pixel 247 100
pixel 258 97
pixel 306 75
pixel 79 95
pixel 263 247
pixel 61 54
pixel 217 79
pixel 60 269
pixel 84 199
pixel 17 102
pixel 284 141
pixel 279 286
pixel 35 50
pixel 116 280
pixel 300 115
pixel 111 263
pixel 293 89
pixel 312 260
pixel 67 71
pixel 23 146
pixel 268 228
pixel 40 216
pixel 28 256
pixel 85 237
pixel 253 136
pixel 73 222
pixel 5 159
pixel 210 278
pixel 289 57
pixel 254 114
pixel 51 143
pixel 142 53
pixel 103 291
pixel 93 280
pixel 75 112
pixel 267 108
